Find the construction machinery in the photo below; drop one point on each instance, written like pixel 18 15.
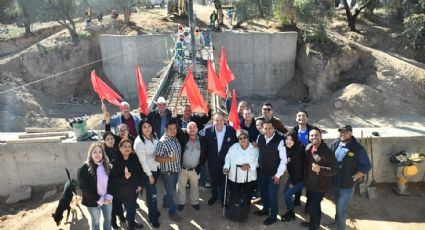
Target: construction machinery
pixel 405 167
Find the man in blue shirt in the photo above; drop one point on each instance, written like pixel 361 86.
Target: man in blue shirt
pixel 353 163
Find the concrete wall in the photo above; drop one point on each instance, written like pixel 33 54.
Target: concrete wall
pixel 39 164
pixel 390 141
pixel 149 51
pixel 259 61
pixel 262 62
pixel 45 163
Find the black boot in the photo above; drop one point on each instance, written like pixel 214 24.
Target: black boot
pixel 133 225
pixel 288 216
pixel 130 226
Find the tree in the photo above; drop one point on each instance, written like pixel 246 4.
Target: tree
pixel 126 7
pixel 63 11
pixel 351 18
pixel 313 13
pixel 8 11
pixel 29 13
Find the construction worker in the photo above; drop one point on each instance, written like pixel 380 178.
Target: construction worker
pixel 213 19
pixel 180 29
pixel 180 53
pixel 199 41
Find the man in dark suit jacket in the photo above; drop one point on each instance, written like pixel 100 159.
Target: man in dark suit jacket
pixel 219 137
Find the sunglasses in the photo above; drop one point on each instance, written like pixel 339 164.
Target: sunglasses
pixel 267 109
pixel 243 138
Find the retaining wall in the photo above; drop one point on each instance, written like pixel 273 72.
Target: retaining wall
pixel 120 55
pixel 45 163
pixel 262 62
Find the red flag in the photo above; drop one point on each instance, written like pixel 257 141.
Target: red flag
pixel 104 91
pixel 141 88
pixel 190 89
pixel 233 115
pixel 226 75
pixel 214 84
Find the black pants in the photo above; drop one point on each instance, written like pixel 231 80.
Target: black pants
pixel 245 188
pixel 315 209
pixel 117 210
pixel 217 184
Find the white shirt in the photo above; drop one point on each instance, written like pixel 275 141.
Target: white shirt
pixel 146 153
pixel 282 155
pixel 220 137
pixel 238 156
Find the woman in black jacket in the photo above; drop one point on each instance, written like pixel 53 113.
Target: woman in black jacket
pixel 112 152
pixel 296 159
pixel 95 185
pixel 126 178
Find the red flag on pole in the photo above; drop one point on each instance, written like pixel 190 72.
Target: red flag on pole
pixel 233 115
pixel 226 75
pixel 191 91
pixel 214 84
pixel 143 95
pixel 104 91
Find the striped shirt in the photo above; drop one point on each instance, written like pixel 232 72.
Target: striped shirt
pixel 168 147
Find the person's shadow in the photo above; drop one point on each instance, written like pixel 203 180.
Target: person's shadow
pixel 78 222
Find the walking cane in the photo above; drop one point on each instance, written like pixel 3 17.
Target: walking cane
pixel 225 194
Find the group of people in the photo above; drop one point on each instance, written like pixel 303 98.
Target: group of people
pixel 183 43
pixel 178 147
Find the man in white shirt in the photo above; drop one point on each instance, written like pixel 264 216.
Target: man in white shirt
pixel 272 165
pixel 218 137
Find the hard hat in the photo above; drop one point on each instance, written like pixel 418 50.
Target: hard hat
pixel 410 170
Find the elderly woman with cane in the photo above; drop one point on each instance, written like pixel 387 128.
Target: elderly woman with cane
pixel 241 167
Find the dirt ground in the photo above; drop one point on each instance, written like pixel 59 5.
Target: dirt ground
pixel 388 211
pixel 374 90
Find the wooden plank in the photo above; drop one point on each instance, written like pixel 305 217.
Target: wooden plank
pixel 36 140
pixel 43 130
pixel 35 135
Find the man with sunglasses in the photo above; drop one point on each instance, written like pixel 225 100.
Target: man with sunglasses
pixel 353 163
pixel 267 115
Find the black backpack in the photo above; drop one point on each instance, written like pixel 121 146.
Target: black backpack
pixel 237 208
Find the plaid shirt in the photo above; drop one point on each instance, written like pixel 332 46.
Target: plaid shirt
pixel 167 147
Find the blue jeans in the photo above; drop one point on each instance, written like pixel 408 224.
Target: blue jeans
pixel 342 197
pixel 170 182
pixel 269 194
pixel 289 191
pixel 151 197
pixel 315 210
pixel 95 216
pixel 130 207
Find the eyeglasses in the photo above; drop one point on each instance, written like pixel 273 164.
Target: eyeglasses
pixel 243 138
pixel 123 130
pixel 267 109
pixel 196 30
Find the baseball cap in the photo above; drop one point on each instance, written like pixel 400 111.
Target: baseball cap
pixel 345 128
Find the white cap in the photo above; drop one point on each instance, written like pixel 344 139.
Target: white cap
pixel 161 100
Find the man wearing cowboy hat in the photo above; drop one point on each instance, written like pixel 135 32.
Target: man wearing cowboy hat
pixel 160 116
